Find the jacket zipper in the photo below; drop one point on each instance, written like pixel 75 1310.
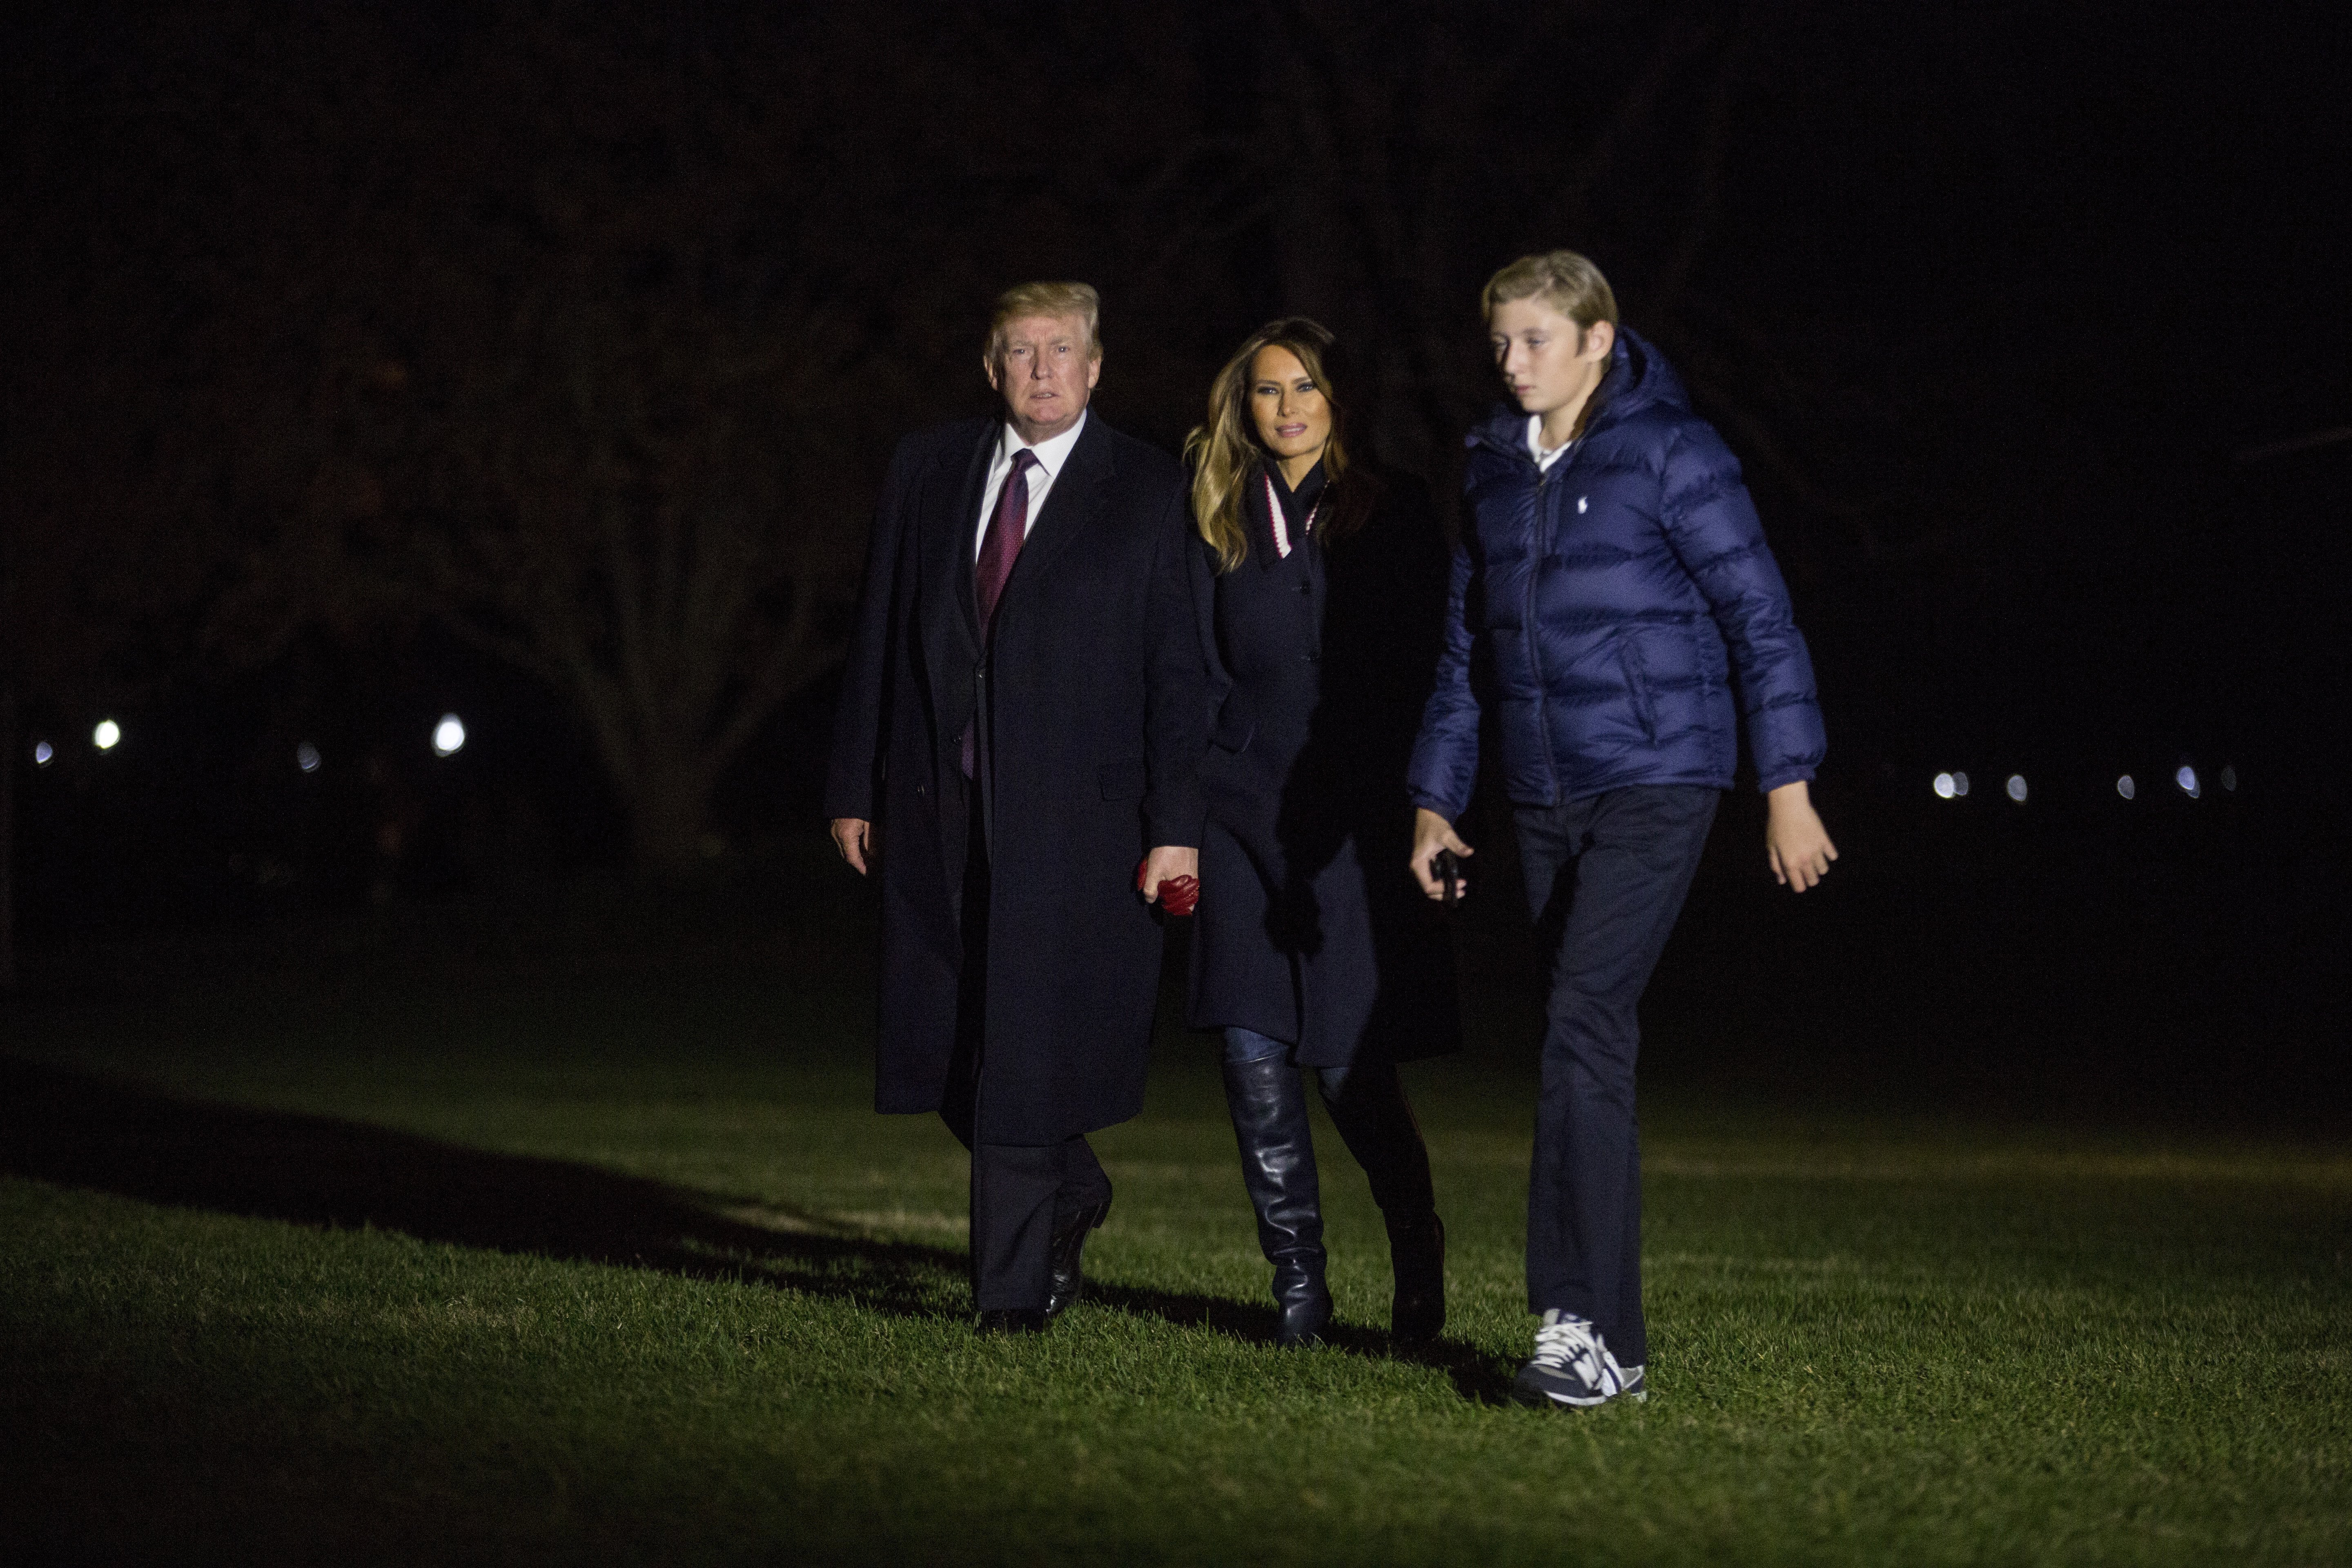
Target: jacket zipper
pixel 1534 655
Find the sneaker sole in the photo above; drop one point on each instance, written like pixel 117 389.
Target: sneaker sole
pixel 1542 1399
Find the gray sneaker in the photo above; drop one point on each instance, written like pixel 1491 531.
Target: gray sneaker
pixel 1571 1367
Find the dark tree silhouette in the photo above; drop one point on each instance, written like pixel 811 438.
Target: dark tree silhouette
pixel 584 330
pixel 571 379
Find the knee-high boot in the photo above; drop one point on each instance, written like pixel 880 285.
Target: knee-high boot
pixel 1269 1111
pixel 1378 1125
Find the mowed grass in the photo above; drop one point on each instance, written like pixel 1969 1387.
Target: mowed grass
pixel 379 1261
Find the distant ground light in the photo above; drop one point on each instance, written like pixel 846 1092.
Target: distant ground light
pixel 2187 779
pixel 2126 788
pixel 2017 788
pixel 2229 779
pixel 1951 786
pixel 107 736
pixel 43 754
pixel 448 736
pixel 306 757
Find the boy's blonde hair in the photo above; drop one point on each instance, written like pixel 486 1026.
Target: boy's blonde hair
pixel 1563 280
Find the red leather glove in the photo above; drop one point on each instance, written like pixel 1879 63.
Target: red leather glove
pixel 1178 895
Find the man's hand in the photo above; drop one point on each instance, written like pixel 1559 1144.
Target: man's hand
pixel 853 837
pixel 1431 833
pixel 1795 842
pixel 1166 864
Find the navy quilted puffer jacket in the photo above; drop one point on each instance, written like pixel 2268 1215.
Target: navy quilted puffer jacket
pixel 1602 607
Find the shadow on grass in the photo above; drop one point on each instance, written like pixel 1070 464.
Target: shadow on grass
pixel 1477 1375
pixel 84 1131
pixel 80 1130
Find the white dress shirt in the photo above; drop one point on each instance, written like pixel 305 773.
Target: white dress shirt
pixel 1544 459
pixel 1052 453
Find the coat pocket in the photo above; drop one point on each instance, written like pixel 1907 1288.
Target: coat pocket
pixel 1637 683
pixel 1122 780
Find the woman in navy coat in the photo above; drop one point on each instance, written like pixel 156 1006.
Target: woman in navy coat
pixel 1320 585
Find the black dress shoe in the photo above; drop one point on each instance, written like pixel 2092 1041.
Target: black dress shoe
pixel 1069 1278
pixel 1012 1320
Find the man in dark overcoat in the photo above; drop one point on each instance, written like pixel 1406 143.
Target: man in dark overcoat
pixel 1020 721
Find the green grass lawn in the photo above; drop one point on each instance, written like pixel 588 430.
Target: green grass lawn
pixel 503 1257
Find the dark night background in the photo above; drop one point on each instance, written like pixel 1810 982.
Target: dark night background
pixel 538 362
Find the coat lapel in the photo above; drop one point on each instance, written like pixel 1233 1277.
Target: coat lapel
pixel 951 519
pixel 1259 522
pixel 1070 505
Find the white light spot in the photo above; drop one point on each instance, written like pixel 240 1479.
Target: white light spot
pixel 1960 785
pixel 1580 503
pixel 306 757
pixel 2187 779
pixel 107 736
pixel 1944 788
pixel 2229 779
pixel 2126 788
pixel 2017 788
pixel 448 736
pixel 43 754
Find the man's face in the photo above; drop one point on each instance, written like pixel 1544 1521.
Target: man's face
pixel 1547 361
pixel 1046 371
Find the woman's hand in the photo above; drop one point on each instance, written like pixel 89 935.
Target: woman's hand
pixel 1431 833
pixel 1795 842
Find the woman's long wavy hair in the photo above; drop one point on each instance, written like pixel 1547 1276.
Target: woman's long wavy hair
pixel 1226 457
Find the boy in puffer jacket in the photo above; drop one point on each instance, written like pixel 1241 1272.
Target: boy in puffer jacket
pixel 1614 601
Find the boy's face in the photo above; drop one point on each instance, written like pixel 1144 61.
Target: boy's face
pixel 1546 360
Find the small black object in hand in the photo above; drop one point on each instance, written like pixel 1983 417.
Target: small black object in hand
pixel 1448 868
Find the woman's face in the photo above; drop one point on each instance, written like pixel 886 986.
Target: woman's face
pixel 1293 418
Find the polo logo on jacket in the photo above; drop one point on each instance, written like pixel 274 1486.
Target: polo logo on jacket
pixel 1580 503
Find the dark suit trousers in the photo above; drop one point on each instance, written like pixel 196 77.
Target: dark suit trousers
pixel 1606 878
pixel 1019 1192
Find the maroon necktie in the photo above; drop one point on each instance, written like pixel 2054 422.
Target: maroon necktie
pixel 1008 527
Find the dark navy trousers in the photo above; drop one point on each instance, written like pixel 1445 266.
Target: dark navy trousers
pixel 1020 1193
pixel 1606 878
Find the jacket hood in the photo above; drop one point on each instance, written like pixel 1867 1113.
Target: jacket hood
pixel 1638 378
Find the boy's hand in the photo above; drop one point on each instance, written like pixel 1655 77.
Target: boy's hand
pixel 1795 842
pixel 1431 833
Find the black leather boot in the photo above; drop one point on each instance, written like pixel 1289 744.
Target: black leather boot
pixel 1379 1130
pixel 1269 1109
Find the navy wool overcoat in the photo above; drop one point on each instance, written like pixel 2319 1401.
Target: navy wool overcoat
pixel 1310 927
pixel 1090 700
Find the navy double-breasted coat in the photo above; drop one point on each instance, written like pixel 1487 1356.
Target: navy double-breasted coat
pixel 1089 698
pixel 1311 929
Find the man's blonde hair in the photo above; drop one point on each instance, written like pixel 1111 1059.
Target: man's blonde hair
pixel 1566 281
pixel 1077 299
